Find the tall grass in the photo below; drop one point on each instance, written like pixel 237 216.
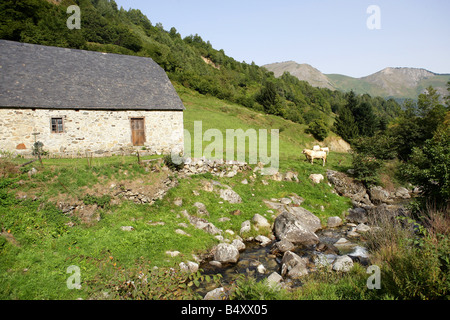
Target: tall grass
pixel 414 257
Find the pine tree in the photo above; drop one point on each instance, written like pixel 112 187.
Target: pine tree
pixel 345 125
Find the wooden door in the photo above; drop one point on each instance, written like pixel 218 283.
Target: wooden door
pixel 137 131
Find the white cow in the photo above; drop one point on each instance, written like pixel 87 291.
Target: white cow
pixel 311 155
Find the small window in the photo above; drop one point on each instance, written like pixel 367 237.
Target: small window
pixel 57 125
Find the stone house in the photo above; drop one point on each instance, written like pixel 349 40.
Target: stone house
pixel 76 101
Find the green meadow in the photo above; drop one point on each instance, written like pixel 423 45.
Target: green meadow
pixel 39 242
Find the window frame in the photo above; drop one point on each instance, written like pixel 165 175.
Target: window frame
pixel 57 125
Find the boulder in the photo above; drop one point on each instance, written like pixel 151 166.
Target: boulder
pixel 306 218
pixel 357 215
pixel 348 187
pixel 402 193
pixel 282 246
pixel 362 228
pixel 245 227
pixel 343 264
pixel 226 253
pixel 263 240
pixel 238 244
pixel 260 221
pixel 201 209
pixel 385 211
pixel 178 202
pixel 127 228
pixel 230 195
pixel 378 195
pixel 200 223
pixel 189 267
pixel 324 260
pixel 334 222
pixel 274 280
pixel 291 176
pixel 316 178
pixel 290 227
pixel 293 265
pixel 216 294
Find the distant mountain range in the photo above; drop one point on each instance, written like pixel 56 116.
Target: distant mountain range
pixel 397 83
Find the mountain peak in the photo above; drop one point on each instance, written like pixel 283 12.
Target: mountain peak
pixel 397 82
pixel 304 72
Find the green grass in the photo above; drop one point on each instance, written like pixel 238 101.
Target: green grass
pixel 34 266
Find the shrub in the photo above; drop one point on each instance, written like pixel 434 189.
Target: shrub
pixel 318 129
pixel 414 260
pixel 366 168
pixel 174 165
pixel 428 168
pixel 103 201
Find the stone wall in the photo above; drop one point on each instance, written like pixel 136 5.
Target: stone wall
pixel 101 133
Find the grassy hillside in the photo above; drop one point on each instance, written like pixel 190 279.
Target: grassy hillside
pixel 39 242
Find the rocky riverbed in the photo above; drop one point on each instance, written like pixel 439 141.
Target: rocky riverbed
pixel 299 244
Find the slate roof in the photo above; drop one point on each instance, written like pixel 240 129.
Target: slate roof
pixel 36 76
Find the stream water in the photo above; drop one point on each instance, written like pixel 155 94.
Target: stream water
pixel 255 255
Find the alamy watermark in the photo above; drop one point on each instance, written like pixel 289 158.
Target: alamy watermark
pixel 74 281
pixel 235 142
pixel 74 21
pixel 374 20
pixel 374 281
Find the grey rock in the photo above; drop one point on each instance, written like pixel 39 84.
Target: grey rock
pixel 348 187
pixel 189 267
pixel 274 279
pixel 263 240
pixel 357 215
pixel 306 218
pixel 402 193
pixel 282 246
pixel 178 202
pixel 127 228
pixel 201 209
pixel 226 253
pixel 260 221
pixel 293 265
pixel 182 232
pixel 172 253
pixel 238 244
pixel 316 178
pixel 245 227
pixel 216 294
pixel 334 222
pixel 343 264
pixel 289 227
pixel 230 195
pixel 362 228
pixel 379 195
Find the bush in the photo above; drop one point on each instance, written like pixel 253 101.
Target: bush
pixel 174 165
pixel 420 272
pixel 318 129
pixel 414 259
pixel 428 168
pixel 380 146
pixel 366 168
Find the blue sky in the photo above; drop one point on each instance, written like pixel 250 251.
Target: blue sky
pixel 331 35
